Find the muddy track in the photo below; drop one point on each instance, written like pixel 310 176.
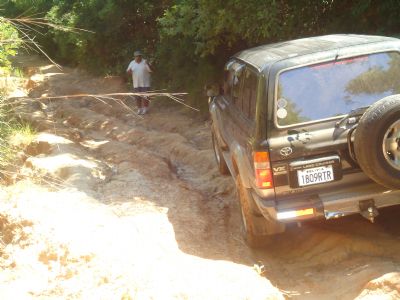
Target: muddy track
pixel 140 170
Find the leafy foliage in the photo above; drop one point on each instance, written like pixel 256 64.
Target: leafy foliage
pixel 9 42
pixel 118 27
pixel 188 41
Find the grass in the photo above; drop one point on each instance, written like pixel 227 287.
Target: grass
pixel 13 135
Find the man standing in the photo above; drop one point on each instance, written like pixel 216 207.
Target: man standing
pixel 140 70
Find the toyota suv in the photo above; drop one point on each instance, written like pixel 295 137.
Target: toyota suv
pixel 310 128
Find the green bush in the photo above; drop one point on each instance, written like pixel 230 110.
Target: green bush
pixel 188 41
pixel 9 43
pixel 5 131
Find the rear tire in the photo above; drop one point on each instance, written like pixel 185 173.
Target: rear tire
pixel 377 142
pixel 222 166
pixel 257 231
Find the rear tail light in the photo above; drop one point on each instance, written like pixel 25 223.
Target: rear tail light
pixel 262 169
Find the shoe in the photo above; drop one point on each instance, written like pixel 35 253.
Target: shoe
pixel 145 110
pixel 140 111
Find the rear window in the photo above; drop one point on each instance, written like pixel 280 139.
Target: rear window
pixel 335 88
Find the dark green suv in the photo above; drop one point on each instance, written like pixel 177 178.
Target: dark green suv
pixel 310 128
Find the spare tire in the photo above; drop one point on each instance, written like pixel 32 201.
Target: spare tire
pixel 377 142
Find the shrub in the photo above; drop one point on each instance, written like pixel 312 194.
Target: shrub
pixel 11 128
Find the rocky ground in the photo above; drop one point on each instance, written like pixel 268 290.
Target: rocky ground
pixel 105 204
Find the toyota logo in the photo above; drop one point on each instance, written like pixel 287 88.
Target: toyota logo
pixel 286 151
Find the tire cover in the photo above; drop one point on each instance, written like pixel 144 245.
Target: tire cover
pixel 377 142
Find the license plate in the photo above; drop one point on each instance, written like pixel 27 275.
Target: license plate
pixel 315 175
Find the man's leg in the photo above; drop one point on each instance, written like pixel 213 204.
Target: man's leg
pixel 146 101
pixel 138 100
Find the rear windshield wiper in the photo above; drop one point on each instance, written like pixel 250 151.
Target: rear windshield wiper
pixel 353 113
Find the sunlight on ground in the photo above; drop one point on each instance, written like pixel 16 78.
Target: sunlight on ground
pixel 54 163
pixel 92 144
pixel 97 254
pixel 52 139
pixel 17 93
pixel 41 78
pixel 11 84
pixel 46 68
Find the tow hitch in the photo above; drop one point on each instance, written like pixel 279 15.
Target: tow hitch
pixel 368 210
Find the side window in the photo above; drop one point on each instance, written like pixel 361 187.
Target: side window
pixel 228 79
pixel 236 87
pixel 249 94
pixel 232 82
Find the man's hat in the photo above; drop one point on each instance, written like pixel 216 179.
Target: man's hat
pixel 137 53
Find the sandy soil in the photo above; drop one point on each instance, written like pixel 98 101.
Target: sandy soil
pixel 108 205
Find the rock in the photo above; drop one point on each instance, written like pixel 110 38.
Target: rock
pixel 73 121
pixel 45 125
pixel 44 143
pixel 38 147
pixel 388 285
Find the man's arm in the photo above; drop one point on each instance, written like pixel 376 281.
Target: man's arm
pixel 129 69
pixel 148 66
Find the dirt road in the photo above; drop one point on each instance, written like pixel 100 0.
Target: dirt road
pixel 114 206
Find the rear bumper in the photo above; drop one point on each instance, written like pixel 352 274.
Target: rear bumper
pixel 329 205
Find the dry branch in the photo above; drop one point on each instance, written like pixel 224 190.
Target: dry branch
pixel 25 25
pixel 145 94
pixel 111 96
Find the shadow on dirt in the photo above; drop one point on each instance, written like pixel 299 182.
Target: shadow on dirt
pixel 311 262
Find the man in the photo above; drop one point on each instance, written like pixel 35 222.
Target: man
pixel 140 70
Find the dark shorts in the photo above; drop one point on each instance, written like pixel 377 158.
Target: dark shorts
pixel 141 89
pixel 141 101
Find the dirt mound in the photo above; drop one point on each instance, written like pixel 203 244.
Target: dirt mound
pixel 389 283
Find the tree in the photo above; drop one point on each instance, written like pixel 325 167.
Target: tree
pixel 190 40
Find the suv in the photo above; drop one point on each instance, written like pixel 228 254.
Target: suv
pixel 310 128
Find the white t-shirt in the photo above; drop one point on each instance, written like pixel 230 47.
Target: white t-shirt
pixel 140 73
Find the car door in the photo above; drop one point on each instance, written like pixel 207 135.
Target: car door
pixel 242 117
pixel 245 107
pixel 228 102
